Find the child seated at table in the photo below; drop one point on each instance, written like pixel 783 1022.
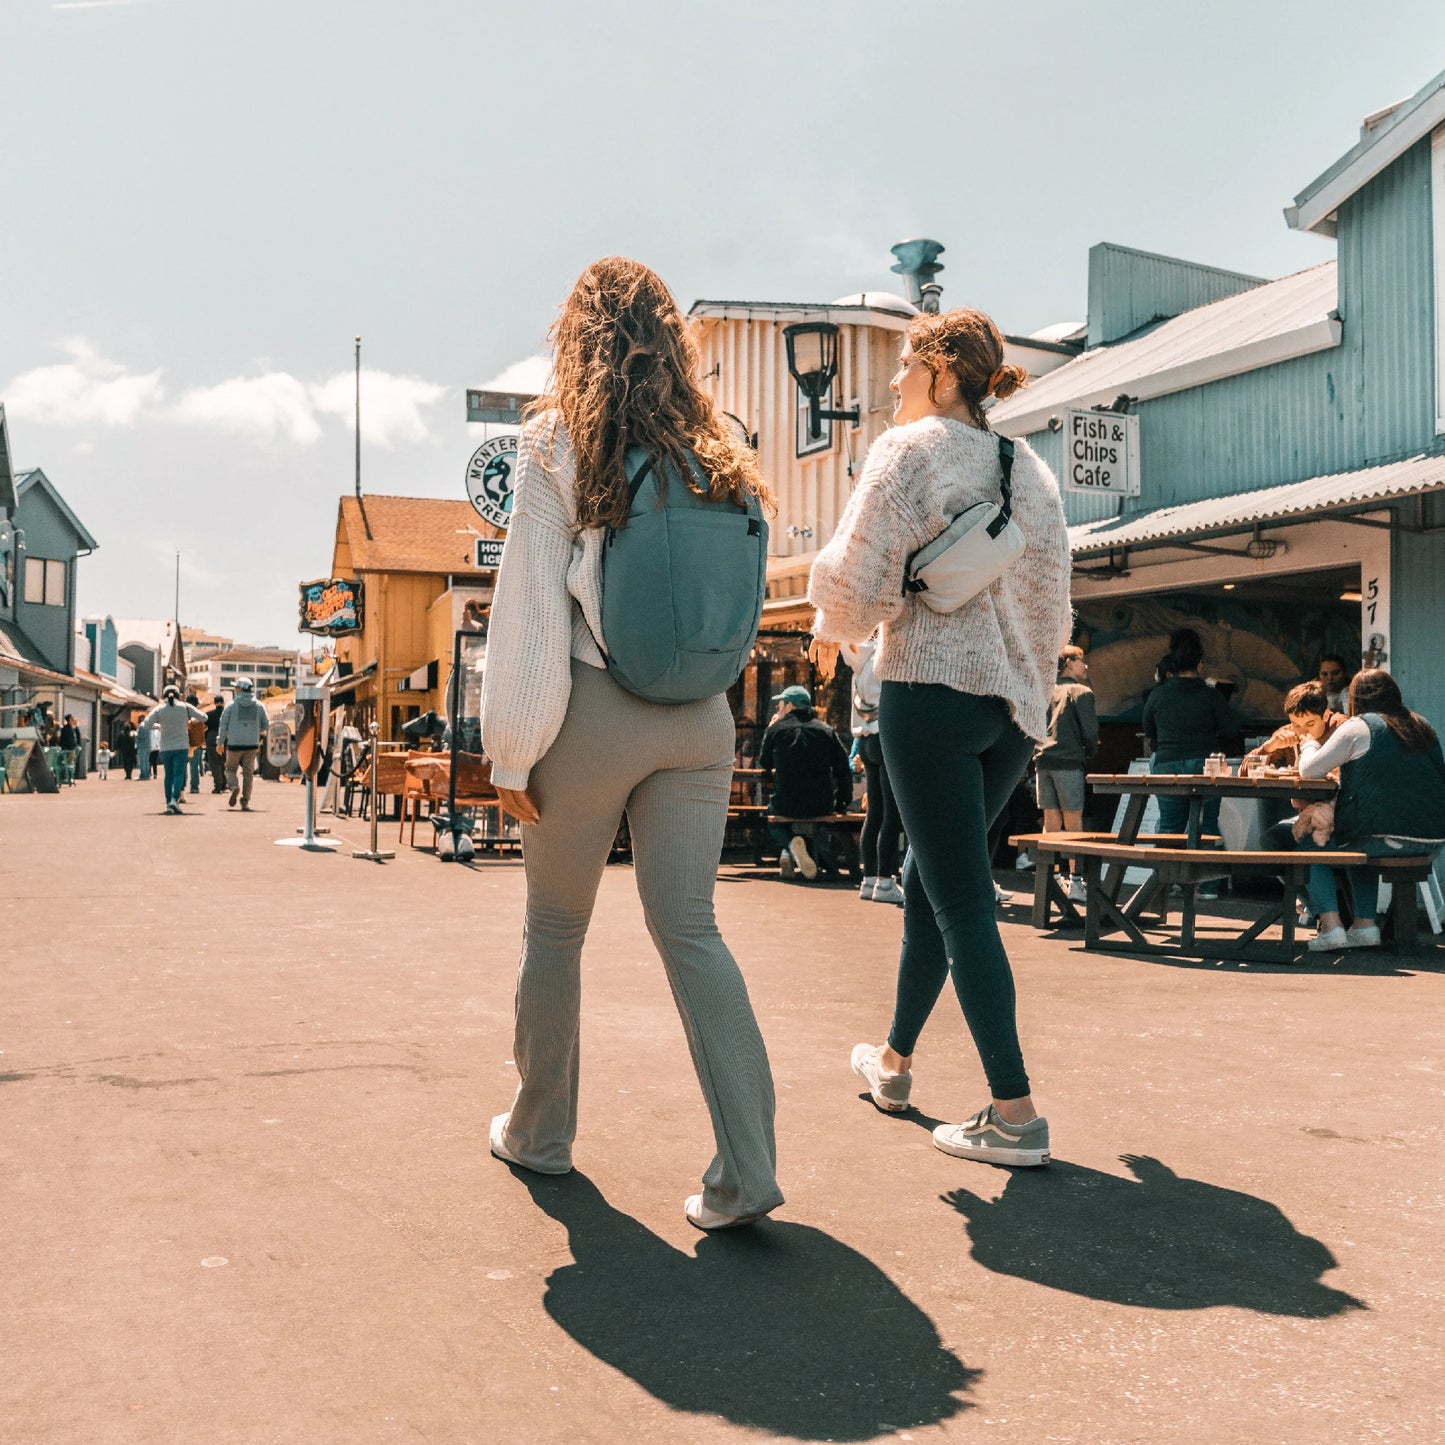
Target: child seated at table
pixel 1311 722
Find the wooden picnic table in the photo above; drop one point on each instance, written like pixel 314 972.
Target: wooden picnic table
pixel 1190 859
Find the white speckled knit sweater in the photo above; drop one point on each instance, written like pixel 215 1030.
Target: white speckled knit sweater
pixel 1004 642
pixel 549 589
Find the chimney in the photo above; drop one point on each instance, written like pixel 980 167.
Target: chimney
pixel 918 264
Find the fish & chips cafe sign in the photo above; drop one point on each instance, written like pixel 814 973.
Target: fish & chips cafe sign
pixel 331 606
pixel 1101 453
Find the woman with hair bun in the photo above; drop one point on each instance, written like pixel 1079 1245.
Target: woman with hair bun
pixel 964 701
pixel 1391 802
pixel 572 751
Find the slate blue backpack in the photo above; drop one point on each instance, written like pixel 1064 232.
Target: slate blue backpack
pixel 682 587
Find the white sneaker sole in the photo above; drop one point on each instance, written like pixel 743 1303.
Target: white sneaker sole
pixel 889 1106
pixel 1015 1158
pixel 710 1222
pixel 495 1136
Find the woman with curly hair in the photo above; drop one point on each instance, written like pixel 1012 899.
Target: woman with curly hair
pixel 572 751
pixel 964 701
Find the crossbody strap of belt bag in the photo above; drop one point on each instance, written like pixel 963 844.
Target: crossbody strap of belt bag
pixel 972 552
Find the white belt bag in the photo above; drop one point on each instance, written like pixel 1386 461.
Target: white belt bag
pixel 973 551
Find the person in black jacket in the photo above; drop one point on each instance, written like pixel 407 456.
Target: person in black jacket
pixel 215 763
pixel 811 776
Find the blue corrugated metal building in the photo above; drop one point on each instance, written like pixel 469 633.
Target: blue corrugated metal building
pixel 1326 387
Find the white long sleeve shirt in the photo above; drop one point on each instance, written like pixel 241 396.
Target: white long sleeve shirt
pixel 1349 741
pixel 547 609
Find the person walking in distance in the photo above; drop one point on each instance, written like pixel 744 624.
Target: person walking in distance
pixel 239 739
pixel 878 842
pixel 215 764
pixel 127 748
pixel 143 743
pixel 1059 759
pixel 964 701
pixel 172 719
pixel 196 741
pixel 573 751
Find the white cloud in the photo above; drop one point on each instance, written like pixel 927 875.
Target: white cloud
pixel 391 405
pixel 267 408
pixel 528 376
pixel 84 390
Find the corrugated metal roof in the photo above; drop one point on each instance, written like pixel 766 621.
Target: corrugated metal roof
pixel 1258 327
pixel 1344 491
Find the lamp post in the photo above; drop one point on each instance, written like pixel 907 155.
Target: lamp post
pixel 813 363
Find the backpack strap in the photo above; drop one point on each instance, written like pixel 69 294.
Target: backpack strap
pixel 1006 460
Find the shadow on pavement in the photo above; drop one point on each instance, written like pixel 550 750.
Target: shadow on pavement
pixel 779 1327
pixel 1157 1240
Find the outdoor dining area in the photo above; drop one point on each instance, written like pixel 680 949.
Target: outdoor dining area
pixel 1142 888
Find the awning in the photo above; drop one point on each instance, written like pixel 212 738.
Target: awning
pixel 1340 494
pixel 344 685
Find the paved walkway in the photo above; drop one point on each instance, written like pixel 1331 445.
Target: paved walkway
pixel 247 1196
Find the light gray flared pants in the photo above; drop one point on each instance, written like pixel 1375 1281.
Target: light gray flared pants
pixel 670 770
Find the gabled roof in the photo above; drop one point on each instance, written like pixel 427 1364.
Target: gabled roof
pixel 412 534
pixel 1278 321
pixel 7 476
pixel 35 478
pixel 1384 138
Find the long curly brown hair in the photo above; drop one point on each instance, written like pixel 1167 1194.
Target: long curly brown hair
pixel 1374 690
pixel 624 374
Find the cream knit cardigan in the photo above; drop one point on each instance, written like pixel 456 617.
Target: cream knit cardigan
pixel 547 608
pixel 1003 643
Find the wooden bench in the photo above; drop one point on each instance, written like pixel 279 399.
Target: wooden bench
pixel 836 833
pixel 1190 867
pixel 1047 847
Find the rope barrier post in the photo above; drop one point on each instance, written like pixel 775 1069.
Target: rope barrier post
pixel 372 854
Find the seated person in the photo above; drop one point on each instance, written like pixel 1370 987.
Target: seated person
pixel 811 776
pixel 1312 722
pixel 1391 801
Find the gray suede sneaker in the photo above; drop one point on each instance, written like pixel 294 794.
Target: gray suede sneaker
pixel 889 1091
pixel 987 1137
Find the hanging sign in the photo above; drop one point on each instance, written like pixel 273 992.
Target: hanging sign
pixel 491 475
pixel 489 553
pixel 330 606
pixel 1101 453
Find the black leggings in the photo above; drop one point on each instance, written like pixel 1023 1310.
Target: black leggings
pixel 879 840
pixel 954 760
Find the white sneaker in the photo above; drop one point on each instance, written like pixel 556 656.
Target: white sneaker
pixel 887 891
pixel 803 859
pixel 1329 940
pixel 1075 891
pixel 1367 936
pixel 787 869
pixel 701 1217
pixel 865 891
pixel 1023 863
pixel 1001 897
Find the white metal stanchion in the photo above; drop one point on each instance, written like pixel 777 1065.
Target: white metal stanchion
pixel 372 854
pixel 310 698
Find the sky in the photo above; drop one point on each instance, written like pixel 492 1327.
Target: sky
pixel 205 201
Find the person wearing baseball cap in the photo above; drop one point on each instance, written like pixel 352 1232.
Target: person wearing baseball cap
pixel 243 726
pixel 811 776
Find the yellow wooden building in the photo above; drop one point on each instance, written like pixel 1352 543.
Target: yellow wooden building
pixel 416 559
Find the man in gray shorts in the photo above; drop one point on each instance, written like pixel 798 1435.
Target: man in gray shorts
pixel 1059 760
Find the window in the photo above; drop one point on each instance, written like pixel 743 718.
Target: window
pixel 807 443
pixel 44 582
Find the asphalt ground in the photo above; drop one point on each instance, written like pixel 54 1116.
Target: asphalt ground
pixel 244 1093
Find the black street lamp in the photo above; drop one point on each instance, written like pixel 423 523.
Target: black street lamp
pixel 813 363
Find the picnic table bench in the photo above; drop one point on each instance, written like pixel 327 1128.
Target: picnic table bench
pixel 1191 866
pixel 835 834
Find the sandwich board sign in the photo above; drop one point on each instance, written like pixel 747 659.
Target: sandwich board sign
pixel 1101 453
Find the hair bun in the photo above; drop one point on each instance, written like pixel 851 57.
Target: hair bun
pixel 1007 380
